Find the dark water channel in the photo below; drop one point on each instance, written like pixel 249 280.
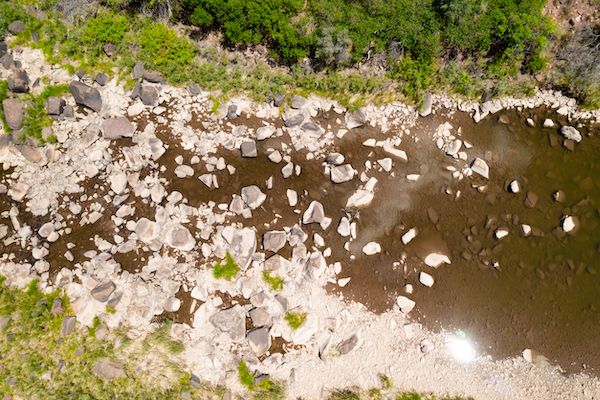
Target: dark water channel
pixel 541 291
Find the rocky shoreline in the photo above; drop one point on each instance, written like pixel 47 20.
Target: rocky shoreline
pixel 117 157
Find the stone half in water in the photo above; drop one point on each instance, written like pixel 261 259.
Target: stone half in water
pixel 436 259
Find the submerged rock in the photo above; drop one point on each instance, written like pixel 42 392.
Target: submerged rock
pixel 436 259
pixel 371 248
pixel 342 173
pixel 480 167
pixel 571 133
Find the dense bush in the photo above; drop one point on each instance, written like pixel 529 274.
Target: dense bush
pixel 246 22
pixel 105 28
pixel 580 65
pixel 8 13
pixel 511 33
pixel 162 49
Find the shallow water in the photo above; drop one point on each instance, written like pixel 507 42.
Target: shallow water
pixel 545 293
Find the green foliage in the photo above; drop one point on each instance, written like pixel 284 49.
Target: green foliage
pixel 33 348
pixel 344 395
pixel 10 11
pixel 274 281
pixel 262 389
pixel 162 337
pixel 295 319
pixel 105 28
pixel 35 117
pixel 415 75
pixel 246 377
pixel 110 310
pixel 246 22
pixel 228 270
pixel 3 96
pixel 163 50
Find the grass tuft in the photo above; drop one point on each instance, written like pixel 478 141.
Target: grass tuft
pixel 227 270
pixel 274 281
pixel 295 319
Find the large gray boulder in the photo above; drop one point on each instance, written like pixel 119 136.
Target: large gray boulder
pixel 55 105
pixel 259 340
pixel 153 76
pixel 107 369
pixel 13 113
pixel 149 95
pixel 117 128
pixel 274 240
pixel 248 149
pixel 18 82
pixel 16 27
pixel 68 325
pixel 86 95
pixel 138 70
pixel 103 291
pixel 571 133
pixel 231 321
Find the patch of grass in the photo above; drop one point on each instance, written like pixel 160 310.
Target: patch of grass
pixel 295 319
pixel 10 11
pixel 246 377
pixel 274 281
pixel 161 336
pixel 35 117
pixel 227 270
pixel 3 96
pixel 386 381
pixel 162 49
pixel 264 389
pixel 110 310
pixel 33 349
pixel 345 394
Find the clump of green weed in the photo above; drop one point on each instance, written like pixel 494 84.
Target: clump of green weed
pixel 227 270
pixel 295 319
pixel 274 281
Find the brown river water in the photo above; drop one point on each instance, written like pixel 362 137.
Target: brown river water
pixel 543 292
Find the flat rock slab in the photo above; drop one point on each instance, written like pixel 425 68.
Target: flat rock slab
pixel 259 340
pixel 231 322
pixel 117 128
pixel 13 113
pixel 106 369
pixel 103 291
pixel 86 96
pixel 248 149
pixel 18 82
pixel 180 238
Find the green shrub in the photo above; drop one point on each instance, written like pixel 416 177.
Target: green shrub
pixel 35 117
pixel 105 28
pixel 295 319
pixel 3 96
pixel 10 11
pixel 274 281
pixel 163 50
pixel 246 22
pixel 228 270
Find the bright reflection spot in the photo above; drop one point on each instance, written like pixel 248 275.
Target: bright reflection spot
pixel 460 348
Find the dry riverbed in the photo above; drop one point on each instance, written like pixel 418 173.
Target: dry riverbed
pixel 431 247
